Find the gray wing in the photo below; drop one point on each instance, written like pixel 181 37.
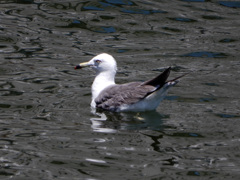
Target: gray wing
pixel 114 96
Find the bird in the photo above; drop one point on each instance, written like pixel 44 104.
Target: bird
pixel 132 96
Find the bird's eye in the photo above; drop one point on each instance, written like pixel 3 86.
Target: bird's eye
pixel 98 61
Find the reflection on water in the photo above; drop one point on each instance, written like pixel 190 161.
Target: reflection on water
pixel 47 130
pixel 112 122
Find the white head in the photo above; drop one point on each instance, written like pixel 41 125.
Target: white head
pixel 101 63
pixel 106 68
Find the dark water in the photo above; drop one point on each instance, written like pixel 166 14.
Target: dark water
pixel 47 130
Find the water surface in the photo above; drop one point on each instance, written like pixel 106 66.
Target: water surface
pixel 47 130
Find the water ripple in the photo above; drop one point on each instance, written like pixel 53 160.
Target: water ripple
pixel 47 128
pixel 231 4
pixel 205 54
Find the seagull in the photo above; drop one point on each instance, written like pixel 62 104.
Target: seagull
pixel 133 96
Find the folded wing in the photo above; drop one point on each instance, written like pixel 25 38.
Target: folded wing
pixel 114 96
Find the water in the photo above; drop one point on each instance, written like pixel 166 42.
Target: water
pixel 47 130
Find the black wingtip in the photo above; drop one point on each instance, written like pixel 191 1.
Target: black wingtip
pixel 175 79
pixel 160 80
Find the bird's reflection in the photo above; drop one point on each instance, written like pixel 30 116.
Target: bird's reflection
pixel 110 122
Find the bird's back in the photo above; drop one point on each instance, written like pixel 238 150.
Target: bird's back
pixel 122 97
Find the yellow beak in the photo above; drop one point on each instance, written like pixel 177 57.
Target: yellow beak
pixel 82 65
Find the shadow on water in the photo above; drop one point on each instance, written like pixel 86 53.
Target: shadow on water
pixel 111 122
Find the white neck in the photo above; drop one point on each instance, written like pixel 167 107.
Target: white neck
pixel 101 81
